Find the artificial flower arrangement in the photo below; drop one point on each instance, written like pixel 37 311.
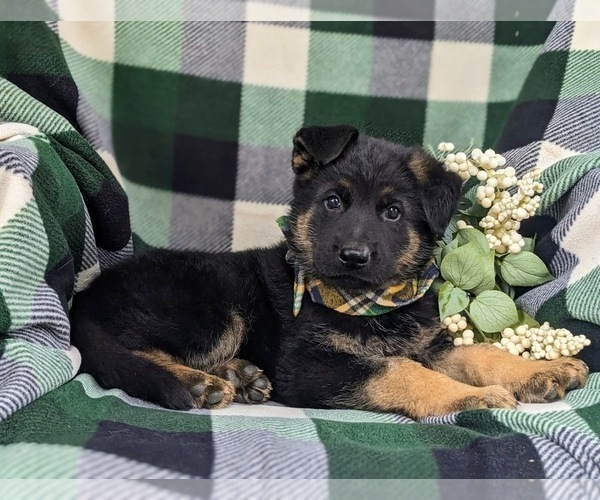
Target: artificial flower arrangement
pixel 482 257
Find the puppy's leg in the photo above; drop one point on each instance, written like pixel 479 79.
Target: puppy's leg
pixel 405 386
pixel 208 391
pixel 530 381
pixel 251 385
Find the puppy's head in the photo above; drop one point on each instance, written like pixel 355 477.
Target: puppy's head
pixel 365 211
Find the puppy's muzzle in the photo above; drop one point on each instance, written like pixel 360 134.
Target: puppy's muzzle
pixel 355 255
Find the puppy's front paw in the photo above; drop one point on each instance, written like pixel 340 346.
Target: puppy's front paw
pixel 493 396
pixel 461 399
pixel 251 385
pixel 212 392
pixel 550 380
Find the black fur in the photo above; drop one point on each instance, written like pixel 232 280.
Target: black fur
pixel 180 302
pixel 320 145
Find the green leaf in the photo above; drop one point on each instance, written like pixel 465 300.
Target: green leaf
pixel 492 311
pixel 437 284
pixel 468 267
pixel 525 319
pixel 478 211
pixel 488 277
pixel 437 253
pixel 529 245
pixel 473 221
pixel 469 187
pixel 465 203
pixel 450 229
pixel 524 269
pixel 453 245
pixel 451 300
pixel 466 235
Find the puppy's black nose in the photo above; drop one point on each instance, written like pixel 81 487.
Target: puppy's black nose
pixel 355 256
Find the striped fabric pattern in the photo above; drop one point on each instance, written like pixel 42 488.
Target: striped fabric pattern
pixel 82 431
pixel 117 136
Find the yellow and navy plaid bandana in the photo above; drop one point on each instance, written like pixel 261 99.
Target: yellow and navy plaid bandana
pixel 371 303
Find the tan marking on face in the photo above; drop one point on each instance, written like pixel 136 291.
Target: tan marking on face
pixel 484 364
pixel 420 164
pixel 299 160
pixel 408 387
pixel 226 347
pixel 301 163
pixel 408 256
pixel 302 232
pixel 347 184
pixel 386 192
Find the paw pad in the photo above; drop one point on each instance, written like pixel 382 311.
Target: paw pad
pixel 250 383
pixel 550 380
pixel 212 392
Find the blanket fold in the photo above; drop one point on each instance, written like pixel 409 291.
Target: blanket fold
pixel 59 205
pixel 194 121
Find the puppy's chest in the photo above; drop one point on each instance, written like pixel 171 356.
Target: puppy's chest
pixel 376 339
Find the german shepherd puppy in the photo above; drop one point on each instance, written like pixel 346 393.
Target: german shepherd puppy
pixel 189 330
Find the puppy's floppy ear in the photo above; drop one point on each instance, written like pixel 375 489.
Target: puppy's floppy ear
pixel 317 146
pixel 441 190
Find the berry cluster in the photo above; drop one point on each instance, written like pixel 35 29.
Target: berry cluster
pixel 503 178
pixel 461 331
pixel 461 224
pixel 504 217
pixel 544 342
pixel 505 210
pixel 457 163
pixel 507 201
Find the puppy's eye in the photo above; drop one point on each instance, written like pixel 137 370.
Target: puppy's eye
pixel 333 202
pixel 392 212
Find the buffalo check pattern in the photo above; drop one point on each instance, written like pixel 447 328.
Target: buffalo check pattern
pixel 118 135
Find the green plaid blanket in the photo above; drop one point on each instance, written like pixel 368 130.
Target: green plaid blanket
pixel 193 121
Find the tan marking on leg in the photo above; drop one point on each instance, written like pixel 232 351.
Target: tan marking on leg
pixel 408 387
pixel 192 378
pixel 226 347
pixel 532 381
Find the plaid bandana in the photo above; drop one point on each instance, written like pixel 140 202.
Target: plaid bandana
pixel 371 303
